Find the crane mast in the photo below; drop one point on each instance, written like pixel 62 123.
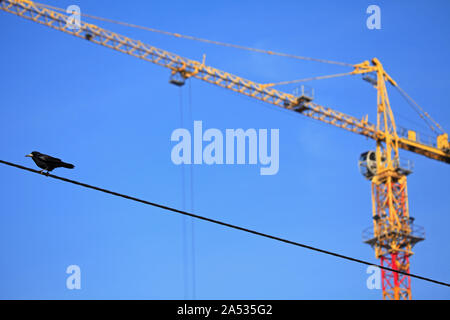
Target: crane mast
pixel 393 233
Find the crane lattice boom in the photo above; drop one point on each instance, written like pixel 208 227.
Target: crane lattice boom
pixel 190 68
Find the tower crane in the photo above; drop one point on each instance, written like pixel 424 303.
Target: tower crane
pixel 393 234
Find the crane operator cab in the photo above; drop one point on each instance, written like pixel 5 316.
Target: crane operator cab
pixel 368 164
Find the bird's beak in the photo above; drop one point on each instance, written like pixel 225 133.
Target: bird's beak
pixel 29 155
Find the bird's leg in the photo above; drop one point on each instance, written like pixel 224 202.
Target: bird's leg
pixel 44 173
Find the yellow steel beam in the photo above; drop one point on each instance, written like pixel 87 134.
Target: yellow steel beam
pixel 191 68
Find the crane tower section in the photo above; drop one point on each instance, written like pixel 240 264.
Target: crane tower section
pixel 393 234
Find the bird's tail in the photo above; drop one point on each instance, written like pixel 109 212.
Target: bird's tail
pixel 67 165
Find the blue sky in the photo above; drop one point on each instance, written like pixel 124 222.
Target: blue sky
pixel 112 116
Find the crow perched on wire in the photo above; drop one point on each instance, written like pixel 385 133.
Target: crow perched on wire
pixel 48 163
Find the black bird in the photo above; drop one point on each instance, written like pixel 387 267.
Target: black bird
pixel 48 163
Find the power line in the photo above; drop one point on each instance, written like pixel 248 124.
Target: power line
pixel 224 223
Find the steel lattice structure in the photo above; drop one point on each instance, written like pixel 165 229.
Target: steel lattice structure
pixel 394 234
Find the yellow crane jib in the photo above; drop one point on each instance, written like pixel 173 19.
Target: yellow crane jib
pixel 190 68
